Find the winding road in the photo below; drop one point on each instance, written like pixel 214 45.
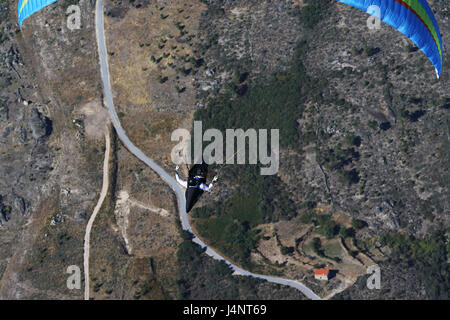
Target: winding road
pixel 99 26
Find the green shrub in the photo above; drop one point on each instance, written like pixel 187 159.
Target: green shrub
pixel 287 250
pixel 313 12
pixel 347 232
pixel 308 217
pixel 328 228
pixel 428 256
pixel 358 224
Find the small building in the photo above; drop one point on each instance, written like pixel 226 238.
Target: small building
pixel 322 274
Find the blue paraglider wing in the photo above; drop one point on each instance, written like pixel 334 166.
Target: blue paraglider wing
pixel 414 19
pixel 26 8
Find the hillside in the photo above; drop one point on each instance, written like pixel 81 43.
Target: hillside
pixel 364 151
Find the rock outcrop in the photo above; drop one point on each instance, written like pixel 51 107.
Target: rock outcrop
pixel 40 125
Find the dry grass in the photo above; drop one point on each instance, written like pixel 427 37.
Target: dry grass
pixel 149 96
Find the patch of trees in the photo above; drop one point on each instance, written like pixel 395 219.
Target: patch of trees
pixel 229 224
pixel 370 51
pixel 349 177
pixel 274 102
pixel 316 245
pixel 238 85
pixel 373 124
pixel 258 199
pixel 445 103
pixel 412 116
pixel 353 140
pixel 326 226
pixel 358 224
pixel 229 232
pixel 335 159
pixel 71 2
pixel 287 250
pixel 200 277
pixel 338 157
pixel 346 232
pixel 428 256
pixel 313 12
pixel 425 209
pixel 308 204
pixel 188 251
pixel 385 126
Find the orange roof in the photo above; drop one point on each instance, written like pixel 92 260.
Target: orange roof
pixel 321 272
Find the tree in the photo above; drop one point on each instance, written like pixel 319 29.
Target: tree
pixel 358 224
pixel 329 229
pixel 347 232
pixel 287 250
pixel 352 140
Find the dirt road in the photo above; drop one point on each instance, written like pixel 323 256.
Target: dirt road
pixel 103 192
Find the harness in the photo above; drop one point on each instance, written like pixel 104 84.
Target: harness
pixel 195 181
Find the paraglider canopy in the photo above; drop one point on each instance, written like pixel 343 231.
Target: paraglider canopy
pixel 414 19
pixel 26 8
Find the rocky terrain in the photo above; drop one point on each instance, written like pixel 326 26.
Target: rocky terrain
pixel 49 168
pixel 364 150
pixel 361 140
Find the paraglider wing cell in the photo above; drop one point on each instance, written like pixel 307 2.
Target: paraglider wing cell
pixel 26 8
pixel 414 19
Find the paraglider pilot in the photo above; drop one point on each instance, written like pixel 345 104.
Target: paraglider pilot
pixel 196 183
